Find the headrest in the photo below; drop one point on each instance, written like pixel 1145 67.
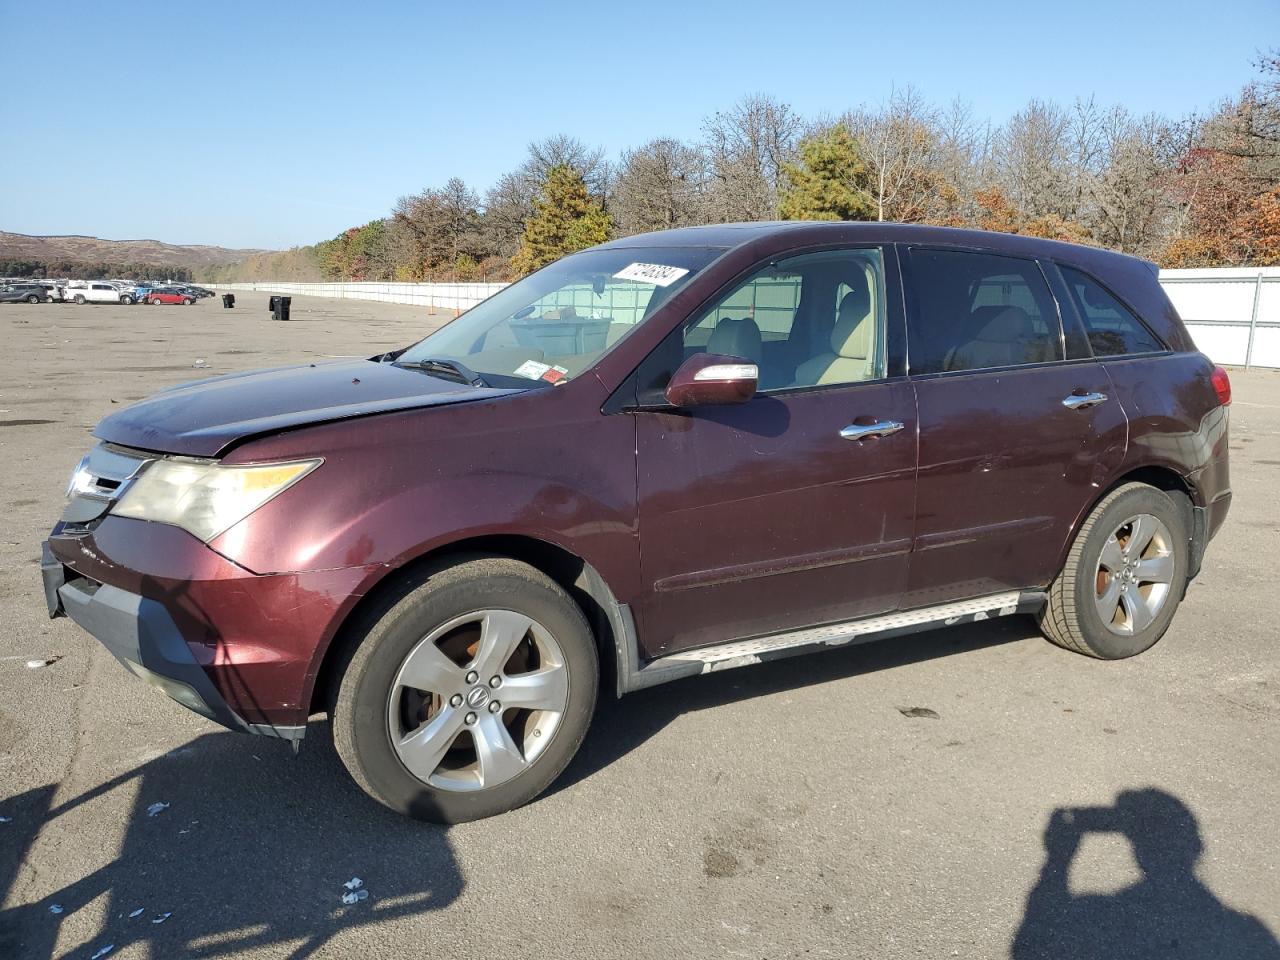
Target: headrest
pixel 736 338
pixel 850 337
pixel 1005 324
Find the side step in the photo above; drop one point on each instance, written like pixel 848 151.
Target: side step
pixel 740 653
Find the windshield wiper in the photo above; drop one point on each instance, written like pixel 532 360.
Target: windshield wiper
pixel 446 369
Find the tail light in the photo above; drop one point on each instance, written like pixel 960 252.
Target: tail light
pixel 1222 384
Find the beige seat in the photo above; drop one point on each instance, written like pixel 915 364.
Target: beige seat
pixel 852 356
pixel 736 338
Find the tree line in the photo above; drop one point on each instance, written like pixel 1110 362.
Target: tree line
pixel 1200 190
pixel 83 270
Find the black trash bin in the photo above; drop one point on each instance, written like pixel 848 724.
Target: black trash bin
pixel 271 305
pixel 280 308
pixel 228 301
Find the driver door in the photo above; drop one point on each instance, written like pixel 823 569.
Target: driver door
pixel 785 511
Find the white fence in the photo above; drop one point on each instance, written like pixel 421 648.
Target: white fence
pixel 451 296
pixel 1232 312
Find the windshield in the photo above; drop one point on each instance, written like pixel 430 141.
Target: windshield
pixel 556 323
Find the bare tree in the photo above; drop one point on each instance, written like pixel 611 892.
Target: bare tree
pixel 444 223
pixel 659 185
pixel 564 150
pixel 902 148
pixel 1033 158
pixel 746 147
pixel 1129 206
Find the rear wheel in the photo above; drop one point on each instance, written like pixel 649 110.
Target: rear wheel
pixel 469 692
pixel 1123 579
pixel 80 299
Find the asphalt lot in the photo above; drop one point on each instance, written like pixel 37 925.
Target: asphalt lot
pixel 783 810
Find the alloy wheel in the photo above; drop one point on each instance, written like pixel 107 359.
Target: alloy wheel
pixel 477 700
pixel 1134 575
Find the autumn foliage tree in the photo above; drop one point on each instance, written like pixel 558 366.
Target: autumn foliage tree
pixel 566 218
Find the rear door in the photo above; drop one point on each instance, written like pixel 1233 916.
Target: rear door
pixel 763 517
pixel 1018 427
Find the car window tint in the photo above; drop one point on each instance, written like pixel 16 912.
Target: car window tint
pixel 977 310
pixel 807 321
pixel 1112 328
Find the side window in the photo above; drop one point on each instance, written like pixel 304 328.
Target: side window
pixel 978 310
pixel 1112 328
pixel 807 321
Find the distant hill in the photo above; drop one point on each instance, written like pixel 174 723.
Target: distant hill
pixel 20 246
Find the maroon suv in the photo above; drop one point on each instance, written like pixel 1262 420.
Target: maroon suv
pixel 668 455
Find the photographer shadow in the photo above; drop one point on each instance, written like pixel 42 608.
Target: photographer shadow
pixel 1169 912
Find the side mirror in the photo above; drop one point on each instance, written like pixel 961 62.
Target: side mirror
pixel 710 379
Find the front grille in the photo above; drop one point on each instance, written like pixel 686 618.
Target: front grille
pixel 100 480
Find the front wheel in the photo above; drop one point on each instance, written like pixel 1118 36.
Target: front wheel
pixel 80 299
pixel 1123 578
pixel 33 299
pixel 187 301
pixel 126 299
pixel 468 692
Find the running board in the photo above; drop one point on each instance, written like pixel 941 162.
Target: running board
pixel 740 653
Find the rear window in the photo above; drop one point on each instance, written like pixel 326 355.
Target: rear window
pixel 978 310
pixel 1113 329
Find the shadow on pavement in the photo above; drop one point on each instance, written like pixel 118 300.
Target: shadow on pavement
pixel 250 853
pixel 621 726
pixel 1167 913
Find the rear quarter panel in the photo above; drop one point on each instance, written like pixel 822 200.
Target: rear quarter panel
pixel 1175 420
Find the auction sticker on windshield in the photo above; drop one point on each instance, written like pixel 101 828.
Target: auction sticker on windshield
pixel 655 273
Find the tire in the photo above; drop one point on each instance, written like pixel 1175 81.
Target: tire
pixel 80 299
pixel 434 628
pixel 154 302
pixel 1112 555
pixel 126 299
pixel 33 299
pixel 187 301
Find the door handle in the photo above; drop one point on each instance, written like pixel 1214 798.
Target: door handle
pixel 865 431
pixel 1079 401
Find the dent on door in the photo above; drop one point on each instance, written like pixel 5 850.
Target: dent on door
pixel 1006 467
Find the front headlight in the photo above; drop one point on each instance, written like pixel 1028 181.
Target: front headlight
pixel 206 498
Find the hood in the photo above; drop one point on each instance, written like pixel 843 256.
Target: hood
pixel 204 418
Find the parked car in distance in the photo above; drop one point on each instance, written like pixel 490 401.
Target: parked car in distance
pixel 161 295
pixel 94 291
pixel 20 292
pixel 669 455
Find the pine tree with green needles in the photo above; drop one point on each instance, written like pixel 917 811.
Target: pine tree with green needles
pixel 829 181
pixel 566 218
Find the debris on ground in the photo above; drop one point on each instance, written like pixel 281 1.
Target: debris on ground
pixel 355 883
pixel 6 819
pixel 103 952
pixel 136 913
pixel 919 712
pixel 200 363
pixel 162 917
pixel 355 896
pixel 47 661
pixel 55 908
pixel 157 807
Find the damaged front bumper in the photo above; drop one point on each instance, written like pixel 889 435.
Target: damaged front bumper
pixel 241 648
pixel 142 635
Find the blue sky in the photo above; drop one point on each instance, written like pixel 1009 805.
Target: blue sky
pixel 273 124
